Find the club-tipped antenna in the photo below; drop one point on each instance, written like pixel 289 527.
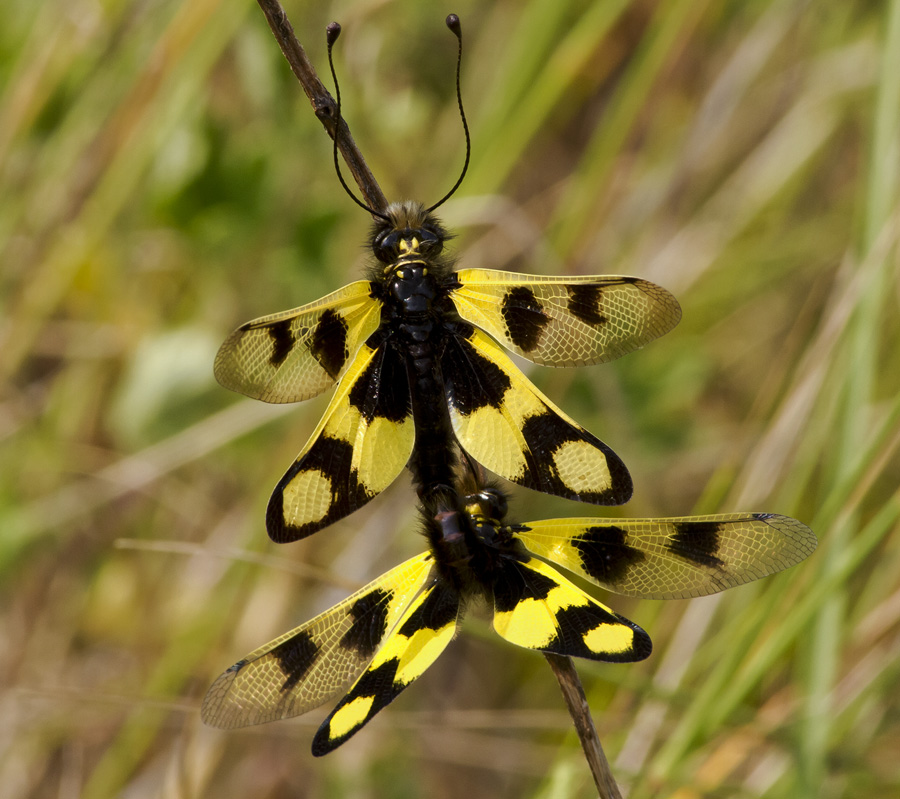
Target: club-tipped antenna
pixel 332 31
pixel 453 24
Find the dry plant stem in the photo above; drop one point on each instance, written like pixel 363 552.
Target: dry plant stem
pixel 322 102
pixel 573 692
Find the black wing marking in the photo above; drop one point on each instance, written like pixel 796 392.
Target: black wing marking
pixel 672 558
pixel 565 321
pixel 312 663
pixel 297 354
pixel 426 628
pixel 511 428
pixel 536 607
pixel 359 448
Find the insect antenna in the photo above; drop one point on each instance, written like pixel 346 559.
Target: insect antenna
pixel 332 31
pixel 453 24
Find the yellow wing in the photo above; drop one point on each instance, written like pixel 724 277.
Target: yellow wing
pixel 565 321
pixel 361 444
pixel 312 663
pixel 536 607
pixel 294 355
pixel 507 425
pixel 426 628
pixel 672 558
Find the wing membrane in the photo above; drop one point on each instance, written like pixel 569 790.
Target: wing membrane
pixel 503 421
pixel 426 628
pixel 672 558
pixel 310 664
pixel 566 321
pixel 294 355
pixel 361 444
pixel 536 607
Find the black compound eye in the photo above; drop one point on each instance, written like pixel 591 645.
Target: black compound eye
pixel 385 246
pixel 492 502
pixel 497 501
pixel 430 242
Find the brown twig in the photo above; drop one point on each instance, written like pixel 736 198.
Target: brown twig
pixel 573 692
pixel 322 102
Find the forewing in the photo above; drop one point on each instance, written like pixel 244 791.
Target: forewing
pixel 507 425
pixel 566 321
pixel 426 628
pixel 310 664
pixel 536 607
pixel 294 355
pixel 361 444
pixel 671 558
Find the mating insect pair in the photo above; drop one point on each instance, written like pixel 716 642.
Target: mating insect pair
pixel 419 372
pixel 388 633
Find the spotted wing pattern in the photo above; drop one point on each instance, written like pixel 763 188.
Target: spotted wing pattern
pixel 503 421
pixel 294 355
pixel 536 607
pixel 358 449
pixel 672 558
pixel 565 321
pixel 426 628
pixel 312 663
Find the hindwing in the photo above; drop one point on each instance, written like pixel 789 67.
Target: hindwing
pixel 565 321
pixel 672 558
pixel 503 421
pixel 310 664
pixel 294 355
pixel 424 631
pixel 536 607
pixel 360 446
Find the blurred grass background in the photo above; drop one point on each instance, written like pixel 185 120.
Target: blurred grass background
pixel 163 180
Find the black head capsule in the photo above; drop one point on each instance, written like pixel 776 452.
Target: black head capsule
pixel 408 233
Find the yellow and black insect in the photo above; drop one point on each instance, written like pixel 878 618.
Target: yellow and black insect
pixel 388 633
pixel 414 352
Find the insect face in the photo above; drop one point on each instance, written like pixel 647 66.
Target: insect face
pixel 409 232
